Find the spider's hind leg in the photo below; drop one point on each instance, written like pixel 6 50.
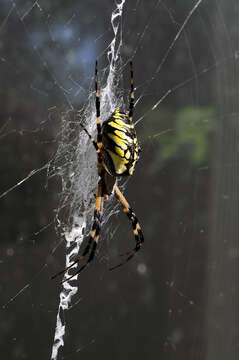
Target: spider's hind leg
pixel 95 231
pixel 139 238
pixel 93 237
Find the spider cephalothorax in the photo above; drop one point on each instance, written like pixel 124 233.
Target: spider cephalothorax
pixel 117 151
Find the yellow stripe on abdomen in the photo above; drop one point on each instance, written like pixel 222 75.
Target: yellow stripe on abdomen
pixel 118 141
pixel 119 162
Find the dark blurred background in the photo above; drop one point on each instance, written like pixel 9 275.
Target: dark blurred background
pixel 178 299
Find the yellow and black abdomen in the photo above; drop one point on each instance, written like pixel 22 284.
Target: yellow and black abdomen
pixel 120 148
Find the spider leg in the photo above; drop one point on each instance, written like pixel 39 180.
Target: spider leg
pixel 97 105
pixel 90 137
pixel 98 123
pixel 135 225
pixel 131 96
pixel 93 238
pixel 66 269
pixel 97 144
pixel 94 234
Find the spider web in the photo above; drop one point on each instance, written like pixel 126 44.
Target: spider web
pixel 73 160
pixel 78 174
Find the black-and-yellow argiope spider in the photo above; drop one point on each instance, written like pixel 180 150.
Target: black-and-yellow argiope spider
pixel 117 151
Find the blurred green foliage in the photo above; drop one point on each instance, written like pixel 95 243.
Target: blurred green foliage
pixel 184 134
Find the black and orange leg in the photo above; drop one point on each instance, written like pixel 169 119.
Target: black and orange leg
pixel 97 144
pixel 139 238
pixel 93 237
pixel 97 106
pixel 98 121
pixel 90 137
pixel 131 96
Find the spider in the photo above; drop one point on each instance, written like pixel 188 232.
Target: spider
pixel 117 151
